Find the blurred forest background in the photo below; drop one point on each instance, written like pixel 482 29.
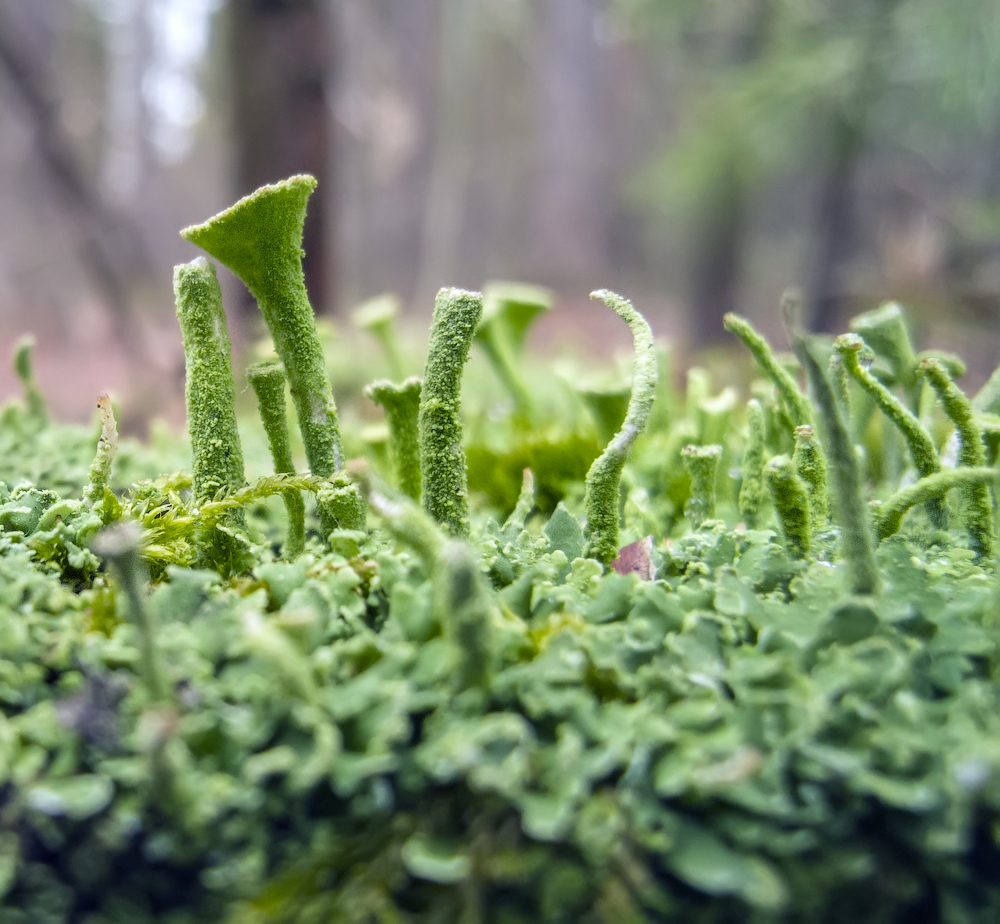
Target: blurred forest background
pixel 697 155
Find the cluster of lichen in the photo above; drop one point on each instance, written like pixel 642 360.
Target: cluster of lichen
pixel 715 672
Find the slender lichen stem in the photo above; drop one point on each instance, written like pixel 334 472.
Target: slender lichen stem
pixel 378 317
pixel 24 368
pixel 443 472
pixel 402 411
pixel 604 477
pixel 752 486
pixel 210 391
pixel 884 330
pixel 119 545
pixel 889 516
pixel 268 382
pixel 976 509
pixel 702 464
pixel 810 465
pixel 797 404
pixel 921 446
pixel 508 311
pixel 855 537
pixel 107 445
pixel 260 239
pixel 791 503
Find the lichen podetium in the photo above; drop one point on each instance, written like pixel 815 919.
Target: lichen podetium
pixel 752 488
pixel 210 391
pixel 855 534
pixel 702 463
pixel 443 473
pixel 791 503
pixel 604 477
pixel 402 409
pixel 976 508
pixel 268 382
pixel 918 440
pixel 798 405
pixel 260 239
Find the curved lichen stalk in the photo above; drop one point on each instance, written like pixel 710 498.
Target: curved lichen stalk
pixel 260 239
pixel 888 517
pixel 443 472
pixel 918 440
pixel 604 477
pixel 976 509
pixel 797 404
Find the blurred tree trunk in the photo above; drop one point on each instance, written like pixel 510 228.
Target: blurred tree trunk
pixel 570 204
pixel 720 235
pixel 281 57
pixel 110 246
pixel 835 222
pixel 721 225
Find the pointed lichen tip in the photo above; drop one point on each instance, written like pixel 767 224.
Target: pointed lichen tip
pixel 303 182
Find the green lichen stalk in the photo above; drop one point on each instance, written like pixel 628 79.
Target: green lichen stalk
pixel 810 465
pixel 260 239
pixel 604 477
pixel 268 382
pixel 797 404
pixel 855 536
pixel 24 368
pixel 884 330
pixel 443 473
pixel 791 502
pixel 918 440
pixel 107 445
pixel 888 517
pixel 976 509
pixel 464 608
pixel 378 317
pixel 342 503
pixel 752 487
pixel 119 546
pixel 210 391
pixel 509 309
pixel 702 464
pixel 402 411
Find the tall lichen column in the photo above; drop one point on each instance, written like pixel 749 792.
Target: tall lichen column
pixel 604 477
pixel 259 239
pixel 210 391
pixel 443 472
